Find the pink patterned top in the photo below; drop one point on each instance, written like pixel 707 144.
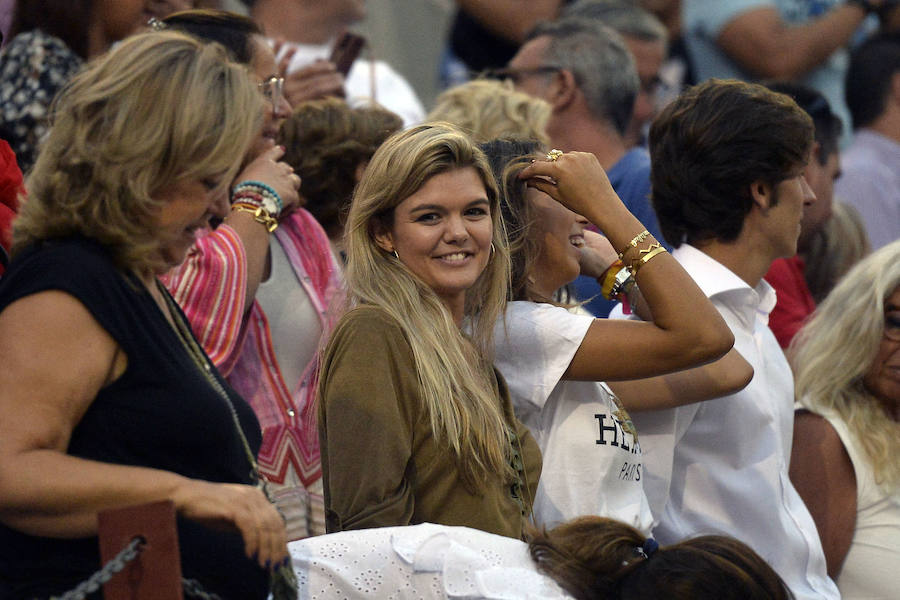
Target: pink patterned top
pixel 210 286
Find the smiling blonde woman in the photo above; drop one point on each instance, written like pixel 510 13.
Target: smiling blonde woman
pixel 415 425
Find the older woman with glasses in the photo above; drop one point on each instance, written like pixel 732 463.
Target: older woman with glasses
pixel 257 290
pixel 846 454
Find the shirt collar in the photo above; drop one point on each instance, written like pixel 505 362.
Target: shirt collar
pixel 718 282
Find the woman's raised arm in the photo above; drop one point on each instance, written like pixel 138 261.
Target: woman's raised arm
pixel 686 330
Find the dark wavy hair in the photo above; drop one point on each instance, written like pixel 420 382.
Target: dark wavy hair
pixel 326 141
pixel 828 126
pixel 233 31
pixel 710 144
pixel 508 157
pixel 596 558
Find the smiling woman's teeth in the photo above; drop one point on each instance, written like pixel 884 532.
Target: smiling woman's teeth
pixel 453 257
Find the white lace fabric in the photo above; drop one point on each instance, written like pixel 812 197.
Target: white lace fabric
pixel 418 562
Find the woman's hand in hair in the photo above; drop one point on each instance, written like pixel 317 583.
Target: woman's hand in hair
pixel 578 182
pixel 277 174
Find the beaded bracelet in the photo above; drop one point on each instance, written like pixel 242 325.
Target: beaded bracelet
pixel 248 196
pixel 261 188
pixel 646 255
pixel 634 242
pixel 260 215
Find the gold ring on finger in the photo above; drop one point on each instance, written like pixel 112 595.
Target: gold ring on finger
pixel 554 155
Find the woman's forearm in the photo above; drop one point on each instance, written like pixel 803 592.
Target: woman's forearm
pixel 727 375
pixel 686 330
pixel 48 493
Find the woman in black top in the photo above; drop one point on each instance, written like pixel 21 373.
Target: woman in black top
pixel 106 399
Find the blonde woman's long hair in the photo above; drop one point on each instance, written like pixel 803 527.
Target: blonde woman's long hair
pixel 488 109
pixel 833 352
pixel 160 108
pixel 454 370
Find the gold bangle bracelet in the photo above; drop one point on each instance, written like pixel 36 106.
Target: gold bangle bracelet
pixel 634 242
pixel 646 256
pixel 260 215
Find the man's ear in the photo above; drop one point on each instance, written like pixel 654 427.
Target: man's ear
pixel 761 193
pixel 563 89
pixel 816 153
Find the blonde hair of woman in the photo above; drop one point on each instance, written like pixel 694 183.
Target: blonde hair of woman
pixel 488 109
pixel 114 143
pixel 834 351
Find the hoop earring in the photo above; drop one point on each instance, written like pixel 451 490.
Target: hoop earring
pixel 394 252
pixel 492 248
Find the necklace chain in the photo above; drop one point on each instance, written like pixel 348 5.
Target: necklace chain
pixel 282 581
pixel 202 362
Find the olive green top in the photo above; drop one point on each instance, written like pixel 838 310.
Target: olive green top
pixel 381 464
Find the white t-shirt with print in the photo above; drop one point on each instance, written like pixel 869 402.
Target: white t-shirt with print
pixel 592 458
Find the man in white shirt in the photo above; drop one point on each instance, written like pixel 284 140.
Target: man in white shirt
pixel 306 31
pixel 729 191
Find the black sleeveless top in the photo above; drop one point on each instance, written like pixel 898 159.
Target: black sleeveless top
pixel 161 413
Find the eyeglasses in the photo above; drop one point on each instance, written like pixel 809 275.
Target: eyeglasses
pixel 273 90
pixel 892 327
pixel 516 75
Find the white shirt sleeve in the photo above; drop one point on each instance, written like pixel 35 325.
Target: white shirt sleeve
pixel 535 348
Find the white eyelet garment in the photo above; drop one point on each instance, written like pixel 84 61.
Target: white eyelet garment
pixel 418 562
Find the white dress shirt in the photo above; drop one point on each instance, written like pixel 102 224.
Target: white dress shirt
pixel 721 467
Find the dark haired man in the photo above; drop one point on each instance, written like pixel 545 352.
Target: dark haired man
pixel 728 188
pixel 787 275
pixel 871 176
